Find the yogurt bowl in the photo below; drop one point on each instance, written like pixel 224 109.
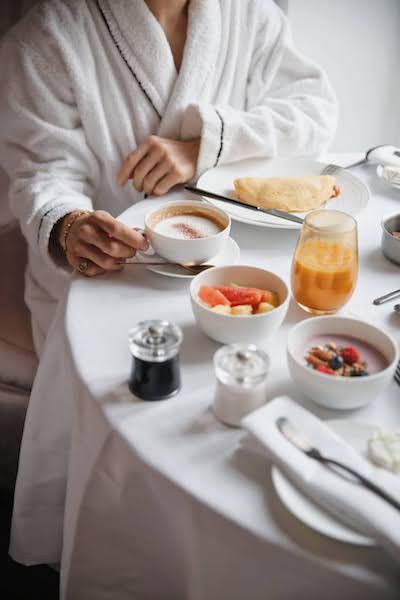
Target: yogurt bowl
pixel 343 393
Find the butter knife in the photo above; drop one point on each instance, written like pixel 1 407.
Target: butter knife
pixel 269 211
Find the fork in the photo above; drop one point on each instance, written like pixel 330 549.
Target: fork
pixel 331 169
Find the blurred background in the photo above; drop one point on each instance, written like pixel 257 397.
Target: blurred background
pixel 358 44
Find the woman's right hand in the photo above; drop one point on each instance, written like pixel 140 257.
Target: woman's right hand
pixel 96 242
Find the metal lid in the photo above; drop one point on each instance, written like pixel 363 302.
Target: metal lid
pixel 155 341
pixel 241 364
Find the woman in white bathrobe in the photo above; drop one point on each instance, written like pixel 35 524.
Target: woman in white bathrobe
pixel 96 92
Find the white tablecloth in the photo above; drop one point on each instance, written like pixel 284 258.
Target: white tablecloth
pixel 161 502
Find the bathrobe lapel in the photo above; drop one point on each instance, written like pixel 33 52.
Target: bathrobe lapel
pixel 145 48
pixel 199 60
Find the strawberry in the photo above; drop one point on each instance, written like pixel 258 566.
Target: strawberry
pixel 350 355
pixel 326 370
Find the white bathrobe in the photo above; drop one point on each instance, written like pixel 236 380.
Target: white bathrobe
pixel 83 82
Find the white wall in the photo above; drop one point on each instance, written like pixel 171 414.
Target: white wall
pixel 358 43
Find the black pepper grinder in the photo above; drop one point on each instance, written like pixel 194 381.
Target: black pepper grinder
pixel 154 346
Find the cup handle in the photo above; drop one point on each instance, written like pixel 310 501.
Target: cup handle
pixel 149 253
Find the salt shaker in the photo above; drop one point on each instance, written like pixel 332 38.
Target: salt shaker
pixel 241 373
pixel 155 372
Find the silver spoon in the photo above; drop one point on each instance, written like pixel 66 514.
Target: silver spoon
pixel 191 267
pixel 301 443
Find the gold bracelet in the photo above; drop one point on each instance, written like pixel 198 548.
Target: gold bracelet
pixel 68 226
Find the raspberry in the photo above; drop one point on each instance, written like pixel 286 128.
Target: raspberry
pixel 350 355
pixel 326 370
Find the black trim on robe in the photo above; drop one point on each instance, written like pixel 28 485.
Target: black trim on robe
pixel 126 62
pixel 221 141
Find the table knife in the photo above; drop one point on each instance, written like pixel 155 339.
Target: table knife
pixel 269 211
pixel 301 443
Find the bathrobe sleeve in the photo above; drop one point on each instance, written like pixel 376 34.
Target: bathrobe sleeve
pixel 52 171
pixel 291 108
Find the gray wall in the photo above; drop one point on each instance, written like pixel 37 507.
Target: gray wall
pixel 358 43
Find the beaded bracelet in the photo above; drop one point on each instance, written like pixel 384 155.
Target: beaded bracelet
pixel 68 226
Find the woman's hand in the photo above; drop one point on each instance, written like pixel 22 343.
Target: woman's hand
pixel 96 242
pixel 159 164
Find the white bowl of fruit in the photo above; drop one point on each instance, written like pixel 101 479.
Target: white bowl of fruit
pixel 239 303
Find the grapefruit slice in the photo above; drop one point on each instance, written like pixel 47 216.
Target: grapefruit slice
pixel 237 295
pixel 212 296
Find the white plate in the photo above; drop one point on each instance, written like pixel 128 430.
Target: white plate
pixel 229 255
pixel 381 174
pixel 310 513
pixel 353 198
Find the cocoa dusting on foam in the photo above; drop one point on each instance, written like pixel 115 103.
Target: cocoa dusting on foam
pixel 188 232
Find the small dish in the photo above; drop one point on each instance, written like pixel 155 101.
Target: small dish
pixel 248 329
pixel 229 255
pixel 340 393
pixel 390 244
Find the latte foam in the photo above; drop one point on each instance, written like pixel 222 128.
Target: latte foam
pixel 187 227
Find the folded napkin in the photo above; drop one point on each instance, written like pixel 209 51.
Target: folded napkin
pixel 348 501
pixel 392 173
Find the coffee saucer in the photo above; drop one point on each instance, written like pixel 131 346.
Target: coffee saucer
pixel 229 255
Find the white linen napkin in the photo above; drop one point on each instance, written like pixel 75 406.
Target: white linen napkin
pixel 348 501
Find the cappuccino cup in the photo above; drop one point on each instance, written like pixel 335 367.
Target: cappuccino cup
pixel 187 232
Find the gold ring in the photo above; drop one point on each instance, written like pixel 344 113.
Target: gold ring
pixel 82 267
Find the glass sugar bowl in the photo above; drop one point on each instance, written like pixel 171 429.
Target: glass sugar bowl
pixel 241 371
pixel 155 373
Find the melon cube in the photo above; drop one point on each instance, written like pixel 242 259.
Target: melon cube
pixel 242 310
pixel 222 309
pixel 264 307
pixel 270 298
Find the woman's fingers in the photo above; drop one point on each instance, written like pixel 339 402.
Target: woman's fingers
pixel 119 231
pixel 144 167
pixel 166 183
pixel 131 161
pixel 83 266
pixel 95 236
pixel 97 257
pixel 177 160
pixel 152 178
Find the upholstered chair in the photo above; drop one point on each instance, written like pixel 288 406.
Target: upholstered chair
pixel 18 361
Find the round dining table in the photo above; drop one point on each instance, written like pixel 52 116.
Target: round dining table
pixel 162 501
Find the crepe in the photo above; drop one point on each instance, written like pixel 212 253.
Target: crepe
pixel 292 194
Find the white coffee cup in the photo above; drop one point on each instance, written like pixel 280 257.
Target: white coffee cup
pixel 187 250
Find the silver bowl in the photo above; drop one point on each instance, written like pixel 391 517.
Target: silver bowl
pixel 390 244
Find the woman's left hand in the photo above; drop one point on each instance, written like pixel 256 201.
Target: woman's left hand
pixel 159 164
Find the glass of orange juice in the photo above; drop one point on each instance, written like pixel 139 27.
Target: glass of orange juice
pixel 325 262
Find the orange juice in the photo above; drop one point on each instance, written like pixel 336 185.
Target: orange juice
pixel 324 274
